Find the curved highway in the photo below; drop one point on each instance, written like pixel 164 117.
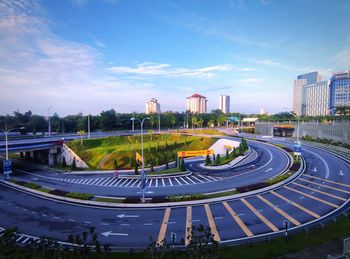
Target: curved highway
pixel 322 189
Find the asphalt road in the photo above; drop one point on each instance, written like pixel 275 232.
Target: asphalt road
pixel 270 162
pixel 323 188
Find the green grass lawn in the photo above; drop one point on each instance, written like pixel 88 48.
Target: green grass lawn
pixel 157 149
pixel 203 131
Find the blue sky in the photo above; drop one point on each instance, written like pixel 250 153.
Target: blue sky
pixel 93 55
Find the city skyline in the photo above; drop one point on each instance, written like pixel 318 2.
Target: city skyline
pixel 109 54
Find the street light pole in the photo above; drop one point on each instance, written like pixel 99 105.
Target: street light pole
pixel 48 119
pixel 89 126
pixel 143 175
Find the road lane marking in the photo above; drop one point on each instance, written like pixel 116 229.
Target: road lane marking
pixel 324 162
pixel 197 179
pixel 171 183
pixel 162 231
pixel 163 182
pixel 129 183
pixel 95 181
pixel 243 226
pixel 109 182
pixel 134 183
pixel 139 184
pixel 120 179
pixel 205 178
pixel 149 224
pixel 211 221
pixel 282 212
pixel 113 182
pixel 189 179
pixel 296 205
pixel 312 197
pixel 182 179
pixel 104 182
pixel 326 186
pixel 123 182
pixel 270 169
pixel 343 184
pixel 315 190
pixel 259 215
pixel 188 225
pixel 150 183
pixel 156 182
pixel 90 181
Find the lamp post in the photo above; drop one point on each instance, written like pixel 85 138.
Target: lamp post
pixel 143 175
pixel 6 142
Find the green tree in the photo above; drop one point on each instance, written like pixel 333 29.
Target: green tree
pixel 207 160
pixel 108 120
pixel 136 168
pixel 218 158
pixel 74 165
pixel 115 164
pixel 227 154
pixel 182 164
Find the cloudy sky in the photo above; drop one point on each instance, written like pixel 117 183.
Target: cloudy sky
pixel 93 55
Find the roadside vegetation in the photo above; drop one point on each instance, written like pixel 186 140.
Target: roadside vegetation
pixel 119 152
pixel 204 131
pixel 326 141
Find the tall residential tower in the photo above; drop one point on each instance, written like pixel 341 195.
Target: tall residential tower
pixel 196 104
pixel 224 103
pixel 152 106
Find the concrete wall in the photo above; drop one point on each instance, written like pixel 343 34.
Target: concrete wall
pixel 69 155
pixel 338 131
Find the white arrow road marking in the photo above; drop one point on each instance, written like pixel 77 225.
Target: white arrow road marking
pixel 127 216
pixel 315 169
pixel 110 233
pixel 268 170
pixel 341 173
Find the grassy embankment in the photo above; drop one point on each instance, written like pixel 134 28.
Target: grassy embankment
pixel 158 149
pixel 203 131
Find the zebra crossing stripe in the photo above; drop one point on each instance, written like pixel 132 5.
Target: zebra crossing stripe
pixel 156 182
pixel 183 180
pixel 95 181
pixel 129 182
pixel 211 178
pixel 112 183
pixel 109 182
pixel 19 238
pixel 86 180
pixel 139 183
pixel 150 183
pixel 90 181
pixel 98 181
pixel 104 181
pixel 190 179
pixel 178 181
pixel 199 180
pixel 163 181
pixel 116 184
pixel 171 183
pixel 123 182
pixel 134 182
pixel 25 240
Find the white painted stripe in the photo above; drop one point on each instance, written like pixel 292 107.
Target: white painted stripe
pixel 171 183
pixel 113 182
pixel 190 179
pixel 156 182
pixel 212 178
pixel 205 178
pixel 177 181
pixel 324 162
pixel 139 183
pixel 84 182
pixel 197 179
pixel 116 184
pixel 90 181
pixel 150 183
pixel 100 180
pixel 136 180
pixel 19 238
pixel 123 182
pixel 95 181
pixel 129 183
pixel 163 182
pixel 103 183
pixel 182 179
pixel 25 240
pixel 109 182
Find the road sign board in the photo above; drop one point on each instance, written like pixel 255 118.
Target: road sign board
pixel 7 165
pixel 297 148
pixel 195 153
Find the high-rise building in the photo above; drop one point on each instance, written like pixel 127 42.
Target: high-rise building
pixel 152 106
pixel 316 99
pixel 299 105
pixel 339 91
pixel 224 103
pixel 263 111
pixel 196 104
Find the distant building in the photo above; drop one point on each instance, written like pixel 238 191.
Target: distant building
pixel 316 98
pixel 263 111
pixel 299 101
pixel 339 91
pixel 196 104
pixel 224 103
pixel 152 106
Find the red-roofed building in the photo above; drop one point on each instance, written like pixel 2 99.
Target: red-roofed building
pixel 196 104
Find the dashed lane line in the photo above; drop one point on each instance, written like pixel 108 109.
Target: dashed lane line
pixel 259 215
pixel 326 186
pixel 326 180
pixel 243 226
pixel 211 221
pixel 280 211
pixel 296 205
pixel 312 197
pixel 315 190
pixel 162 231
pixel 188 225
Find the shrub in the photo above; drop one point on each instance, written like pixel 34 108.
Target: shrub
pixel 81 196
pixel 58 192
pixel 32 185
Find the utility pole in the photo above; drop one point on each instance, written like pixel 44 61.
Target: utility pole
pixel 89 126
pixel 49 120
pixel 133 121
pixel 158 122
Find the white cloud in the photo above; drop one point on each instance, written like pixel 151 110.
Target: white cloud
pixel 245 69
pixel 251 80
pixel 268 62
pixel 155 69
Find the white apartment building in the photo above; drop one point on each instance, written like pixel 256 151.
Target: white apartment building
pixel 196 104
pixel 224 103
pixel 317 99
pixel 152 106
pixel 298 95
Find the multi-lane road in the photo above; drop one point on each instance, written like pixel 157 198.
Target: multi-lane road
pixel 323 189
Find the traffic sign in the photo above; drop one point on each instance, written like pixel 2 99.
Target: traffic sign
pixel 195 153
pixel 297 148
pixel 7 166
